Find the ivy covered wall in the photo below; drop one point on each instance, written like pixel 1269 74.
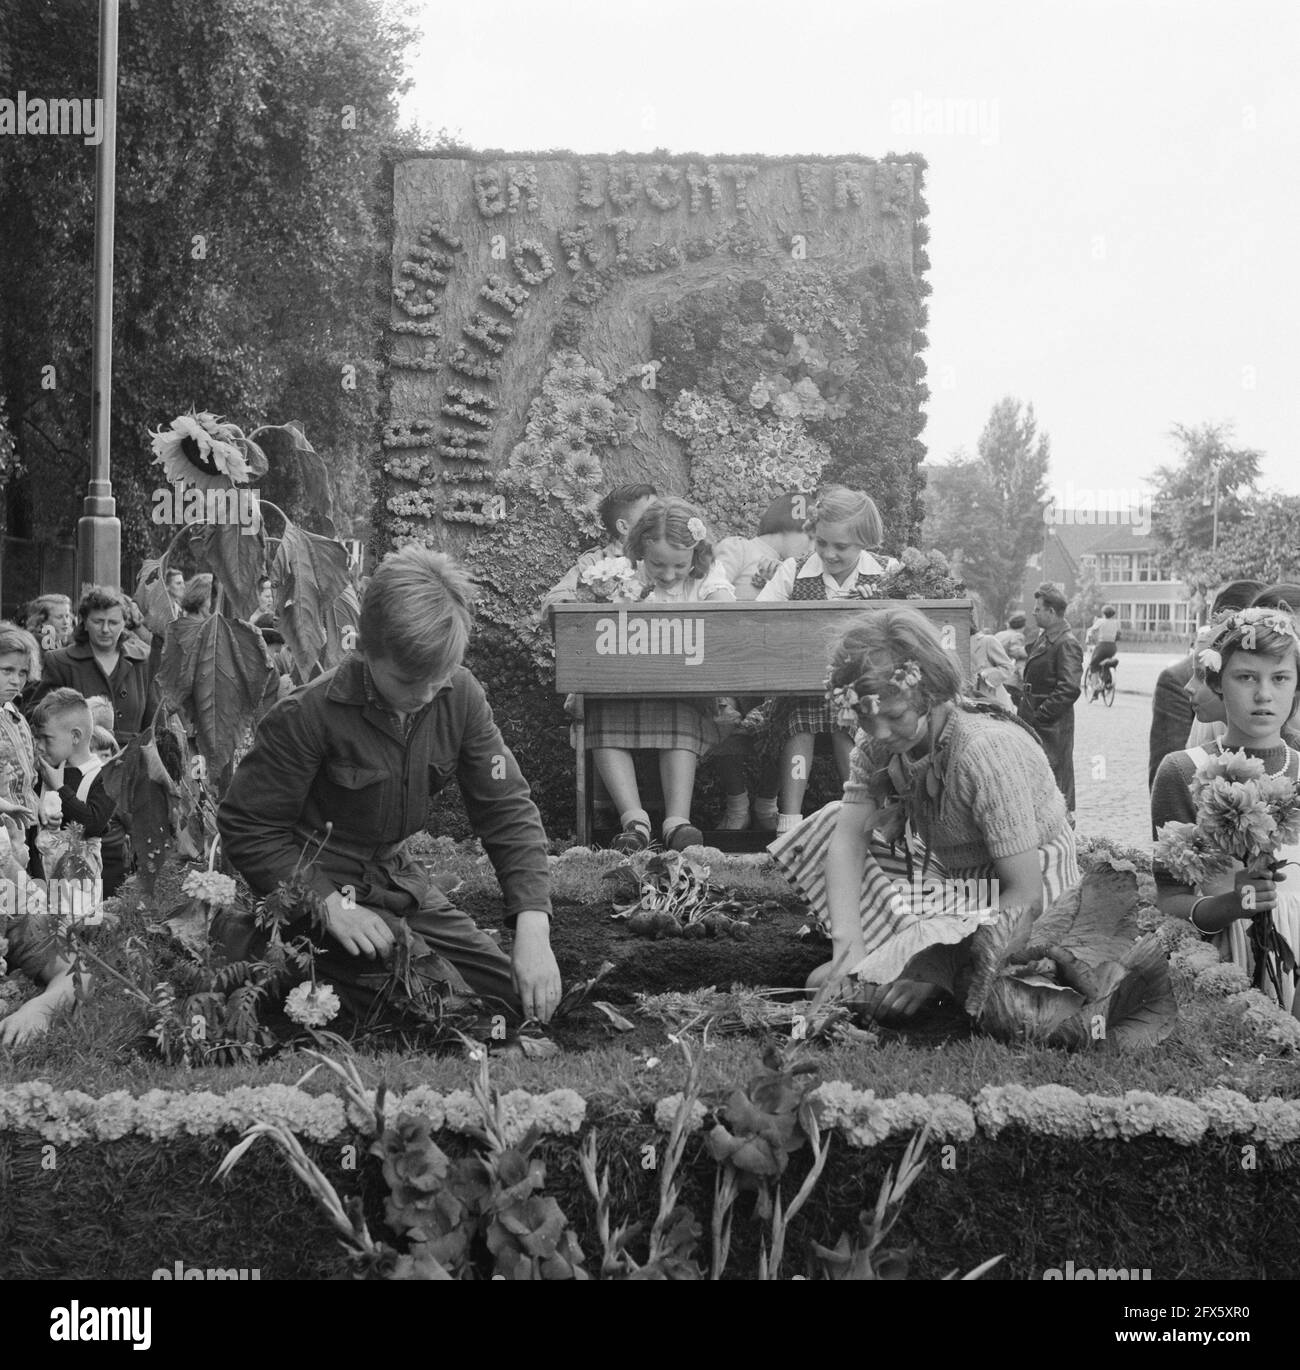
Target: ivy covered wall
pixel 557 325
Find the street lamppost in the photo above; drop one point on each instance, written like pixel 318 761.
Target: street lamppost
pixel 1205 501
pixel 99 531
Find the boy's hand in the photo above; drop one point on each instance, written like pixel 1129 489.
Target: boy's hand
pixel 358 930
pixel 52 775
pixel 536 976
pixel 25 1023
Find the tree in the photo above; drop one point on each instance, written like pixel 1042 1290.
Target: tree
pixel 1183 502
pixel 248 142
pixel 990 507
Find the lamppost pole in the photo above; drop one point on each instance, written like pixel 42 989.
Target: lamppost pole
pixel 1214 540
pixel 99 531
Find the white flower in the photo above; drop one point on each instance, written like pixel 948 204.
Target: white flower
pixel 695 527
pixel 210 886
pixel 312 1006
pixel 1210 660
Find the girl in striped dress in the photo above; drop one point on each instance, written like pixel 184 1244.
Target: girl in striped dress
pixel 670 546
pixel 846 529
pixel 966 786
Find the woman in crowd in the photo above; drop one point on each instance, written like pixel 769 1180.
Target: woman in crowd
pixel 970 784
pixel 104 659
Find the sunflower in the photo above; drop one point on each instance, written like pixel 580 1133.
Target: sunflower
pixel 203 452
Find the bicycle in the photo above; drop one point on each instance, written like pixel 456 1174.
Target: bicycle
pixel 1101 681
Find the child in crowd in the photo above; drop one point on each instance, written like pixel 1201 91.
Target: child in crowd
pixel 1253 665
pixel 749 564
pixel 71 774
pixel 619 510
pixel 27 938
pixel 115 846
pixel 670 545
pixel 991 667
pixel 846 530
pixel 50 621
pixel 19 663
pixel 782 535
pixel 1012 639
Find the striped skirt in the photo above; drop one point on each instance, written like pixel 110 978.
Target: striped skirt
pixel 902 918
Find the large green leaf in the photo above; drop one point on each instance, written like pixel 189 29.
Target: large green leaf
pixel 151 595
pixel 313 572
pixel 141 788
pixel 237 558
pixel 1096 920
pixel 992 947
pixel 216 671
pixel 1141 1009
pixel 286 446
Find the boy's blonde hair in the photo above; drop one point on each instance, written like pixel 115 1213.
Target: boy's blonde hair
pixel 839 504
pixel 66 703
pixel 101 710
pixel 417 612
pixel 101 740
pixel 16 639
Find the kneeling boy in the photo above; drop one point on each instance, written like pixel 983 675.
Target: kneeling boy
pixel 363 747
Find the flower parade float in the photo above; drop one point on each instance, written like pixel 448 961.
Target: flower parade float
pixel 552 326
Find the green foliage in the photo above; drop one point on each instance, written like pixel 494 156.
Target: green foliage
pixel 1183 502
pixel 990 507
pixel 257 128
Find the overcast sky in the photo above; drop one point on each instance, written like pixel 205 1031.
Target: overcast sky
pixel 1113 184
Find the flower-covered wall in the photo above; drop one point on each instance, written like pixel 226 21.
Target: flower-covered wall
pixel 557 325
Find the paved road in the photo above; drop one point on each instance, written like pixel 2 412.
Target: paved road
pixel 1110 755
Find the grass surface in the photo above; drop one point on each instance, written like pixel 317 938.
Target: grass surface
pixel 100 1048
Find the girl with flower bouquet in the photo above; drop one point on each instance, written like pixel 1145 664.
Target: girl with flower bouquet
pixel 966 787
pixel 674 560
pixel 1226 816
pixel 598 574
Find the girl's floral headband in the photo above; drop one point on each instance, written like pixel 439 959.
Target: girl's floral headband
pixel 1246 623
pixel 695 527
pixel 848 699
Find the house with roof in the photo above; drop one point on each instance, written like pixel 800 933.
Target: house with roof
pixel 1126 563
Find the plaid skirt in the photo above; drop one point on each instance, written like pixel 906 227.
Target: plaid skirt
pixel 659 724
pixel 789 716
pixel 902 918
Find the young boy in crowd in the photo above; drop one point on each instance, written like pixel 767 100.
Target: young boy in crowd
pixel 62 726
pixel 346 765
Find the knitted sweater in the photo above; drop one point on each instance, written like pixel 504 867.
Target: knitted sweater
pixel 996 794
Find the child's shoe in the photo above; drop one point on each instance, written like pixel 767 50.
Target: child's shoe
pixel 765 815
pixel 682 836
pixel 634 837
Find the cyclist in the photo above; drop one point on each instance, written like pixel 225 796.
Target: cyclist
pixel 1104 633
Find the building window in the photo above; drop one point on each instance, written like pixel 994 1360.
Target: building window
pixel 1114 568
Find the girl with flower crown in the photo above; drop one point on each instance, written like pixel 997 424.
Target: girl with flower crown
pixel 966 786
pixel 670 547
pixel 1253 665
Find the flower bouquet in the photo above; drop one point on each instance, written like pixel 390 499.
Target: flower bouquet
pixel 1245 815
pixel 611 578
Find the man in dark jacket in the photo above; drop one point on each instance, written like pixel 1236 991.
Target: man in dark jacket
pixel 1053 671
pixel 363 747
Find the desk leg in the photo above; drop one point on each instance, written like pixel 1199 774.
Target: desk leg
pixel 580 771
